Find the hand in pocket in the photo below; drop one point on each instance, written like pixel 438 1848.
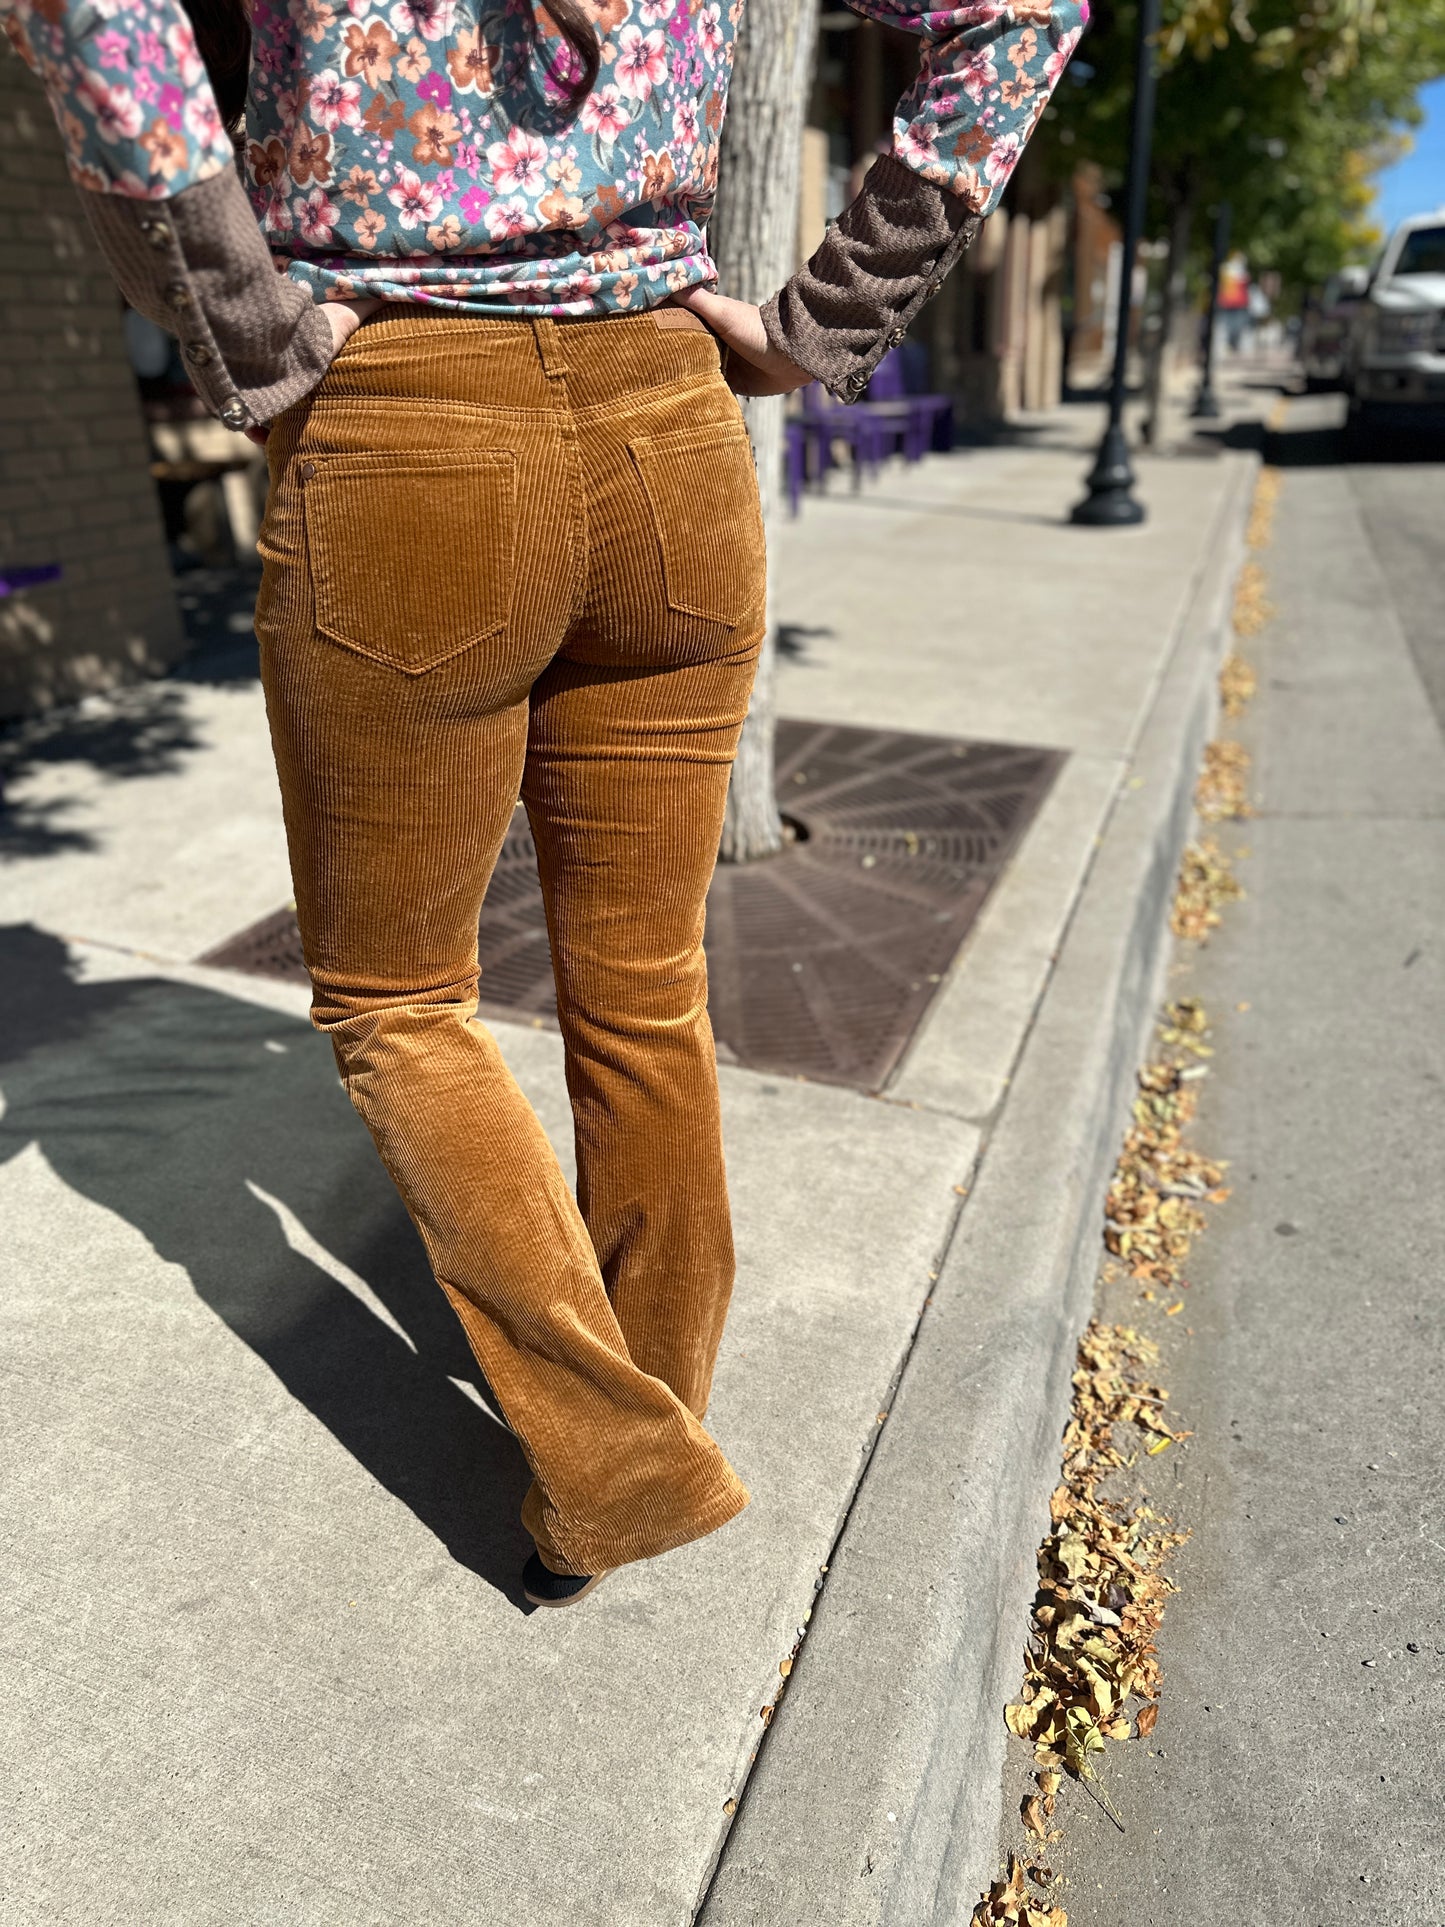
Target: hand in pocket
pixel 345 318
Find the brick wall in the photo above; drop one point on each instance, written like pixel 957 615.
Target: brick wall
pixel 75 486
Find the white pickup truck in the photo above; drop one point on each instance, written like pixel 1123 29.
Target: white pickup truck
pixel 1396 373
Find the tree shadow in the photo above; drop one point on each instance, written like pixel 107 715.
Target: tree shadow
pixel 140 729
pixel 220 1131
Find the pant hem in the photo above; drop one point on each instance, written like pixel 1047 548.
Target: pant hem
pixel 593 1554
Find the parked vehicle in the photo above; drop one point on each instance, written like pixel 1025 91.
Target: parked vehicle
pixel 1325 337
pixel 1397 338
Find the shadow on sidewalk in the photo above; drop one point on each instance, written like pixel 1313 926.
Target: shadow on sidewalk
pixel 220 1131
pixel 144 728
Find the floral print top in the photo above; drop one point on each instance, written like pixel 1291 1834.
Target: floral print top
pixel 418 149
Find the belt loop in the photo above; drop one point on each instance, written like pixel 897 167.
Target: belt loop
pixel 549 345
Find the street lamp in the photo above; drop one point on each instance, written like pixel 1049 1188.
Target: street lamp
pixel 1206 407
pixel 1110 502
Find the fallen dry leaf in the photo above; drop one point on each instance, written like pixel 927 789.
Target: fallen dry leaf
pixel 1221 793
pixel 1237 686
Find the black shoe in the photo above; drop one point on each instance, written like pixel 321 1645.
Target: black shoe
pixel 543 1587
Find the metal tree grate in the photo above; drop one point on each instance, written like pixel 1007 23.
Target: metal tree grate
pixel 821 961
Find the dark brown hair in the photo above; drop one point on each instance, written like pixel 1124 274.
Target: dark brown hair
pixel 223 37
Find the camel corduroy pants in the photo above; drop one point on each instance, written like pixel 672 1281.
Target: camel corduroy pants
pixel 520 559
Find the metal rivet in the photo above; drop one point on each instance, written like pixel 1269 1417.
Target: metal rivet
pixel 898 335
pixel 199 353
pixel 305 470
pixel 235 414
pixel 935 287
pixel 179 295
pixel 158 233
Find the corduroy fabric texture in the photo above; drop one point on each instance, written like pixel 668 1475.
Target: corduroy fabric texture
pixel 514 559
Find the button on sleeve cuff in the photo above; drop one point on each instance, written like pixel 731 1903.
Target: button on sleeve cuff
pixel 198 265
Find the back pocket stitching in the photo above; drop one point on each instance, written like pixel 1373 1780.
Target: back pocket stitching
pixel 329 595
pixel 693 441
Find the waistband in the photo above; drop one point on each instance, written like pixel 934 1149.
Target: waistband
pixel 405 352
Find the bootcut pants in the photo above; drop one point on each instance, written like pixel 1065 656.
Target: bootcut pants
pixel 519 559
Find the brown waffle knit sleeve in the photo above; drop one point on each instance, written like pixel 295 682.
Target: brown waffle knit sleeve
pixel 198 265
pixel 885 255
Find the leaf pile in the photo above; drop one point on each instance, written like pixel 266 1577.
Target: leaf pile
pixel 1237 684
pixel 1152 1213
pixel 1252 607
pixel 1206 882
pixel 1102 1593
pixel 1260 532
pixel 1222 791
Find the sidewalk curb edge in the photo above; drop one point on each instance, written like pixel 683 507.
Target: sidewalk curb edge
pixel 879 1789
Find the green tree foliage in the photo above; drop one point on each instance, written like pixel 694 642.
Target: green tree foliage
pixel 1285 108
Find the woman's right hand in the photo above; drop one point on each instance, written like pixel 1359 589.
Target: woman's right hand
pixel 345 317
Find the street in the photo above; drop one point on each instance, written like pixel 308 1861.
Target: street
pixel 1293 1772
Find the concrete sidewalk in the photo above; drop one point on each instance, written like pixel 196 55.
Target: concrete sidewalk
pixel 267 1651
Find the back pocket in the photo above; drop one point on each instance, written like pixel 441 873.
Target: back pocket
pixel 703 492
pixel 412 555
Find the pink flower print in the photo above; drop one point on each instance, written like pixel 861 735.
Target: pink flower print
pixel 335 102
pixel 1057 61
pixel 116 109
pixel 518 163
pixel 437 88
pixel 368 226
pixel 277 218
pixel 605 115
pixel 113 48
pixel 653 12
pixel 1003 158
pixel 416 200
pixel 507 220
pixel 641 62
pixel 709 32
pixel 315 217
pixel 684 123
pixel 203 123
pixel 473 204
pixel 565 70
pixel 147 88
pixel 432 19
pixel 978 73
pixel 913 148
pixel 467 159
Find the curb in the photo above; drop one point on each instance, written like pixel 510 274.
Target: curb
pixel 876 1799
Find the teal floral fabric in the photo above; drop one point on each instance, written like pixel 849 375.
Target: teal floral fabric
pixel 419 150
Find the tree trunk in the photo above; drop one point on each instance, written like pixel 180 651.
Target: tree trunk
pixel 753 239
pixel 1171 295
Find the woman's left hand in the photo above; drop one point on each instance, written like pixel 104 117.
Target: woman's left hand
pixel 739 326
pixel 345 318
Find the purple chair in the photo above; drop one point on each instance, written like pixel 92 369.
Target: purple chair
pixel 907 420
pixel 828 421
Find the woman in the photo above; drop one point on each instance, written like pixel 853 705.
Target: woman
pixel 513 550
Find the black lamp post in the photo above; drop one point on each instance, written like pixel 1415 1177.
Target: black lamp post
pixel 1206 406
pixel 1110 502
